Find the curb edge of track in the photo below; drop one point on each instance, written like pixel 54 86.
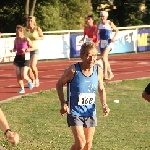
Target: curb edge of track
pixel 108 82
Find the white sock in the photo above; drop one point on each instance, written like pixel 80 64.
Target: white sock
pixel 29 80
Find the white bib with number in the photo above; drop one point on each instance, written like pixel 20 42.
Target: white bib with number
pixel 88 40
pixel 104 43
pixel 86 98
pixel 27 56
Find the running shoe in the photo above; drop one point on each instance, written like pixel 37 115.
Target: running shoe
pixel 37 83
pixel 30 85
pixel 21 91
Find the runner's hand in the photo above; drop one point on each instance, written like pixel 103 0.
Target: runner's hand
pixel 64 109
pixel 80 41
pixel 12 137
pixel 23 50
pixel 34 38
pixel 106 109
pixel 112 40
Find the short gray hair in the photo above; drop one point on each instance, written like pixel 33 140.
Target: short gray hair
pixel 87 46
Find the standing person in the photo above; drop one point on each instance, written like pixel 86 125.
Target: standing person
pixel 83 79
pixel 22 47
pixel 12 137
pixel 104 29
pixel 34 32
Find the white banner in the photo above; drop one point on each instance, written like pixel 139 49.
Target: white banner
pixel 51 47
pixel 6 44
pixel 54 47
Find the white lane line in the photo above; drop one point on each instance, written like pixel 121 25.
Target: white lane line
pixel 143 63
pixel 48 76
pixel 11 86
pixel 7 75
pixel 123 68
pixel 131 72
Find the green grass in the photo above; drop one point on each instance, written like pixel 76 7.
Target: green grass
pixel 37 120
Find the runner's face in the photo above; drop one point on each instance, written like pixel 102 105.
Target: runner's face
pixel 19 33
pixel 90 57
pixel 30 22
pixel 103 18
pixel 89 21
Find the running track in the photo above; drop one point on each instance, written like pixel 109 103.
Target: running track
pixel 125 66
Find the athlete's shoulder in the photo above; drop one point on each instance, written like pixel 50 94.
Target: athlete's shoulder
pixel 70 69
pixel 85 27
pixel 109 22
pixel 95 26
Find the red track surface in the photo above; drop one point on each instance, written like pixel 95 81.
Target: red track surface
pixel 126 66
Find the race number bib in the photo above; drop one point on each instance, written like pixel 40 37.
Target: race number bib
pixel 88 40
pixel 27 56
pixel 86 98
pixel 104 43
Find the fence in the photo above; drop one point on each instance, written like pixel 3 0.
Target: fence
pixel 65 43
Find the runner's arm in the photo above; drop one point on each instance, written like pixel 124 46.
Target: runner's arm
pixel 41 36
pixel 3 122
pixel 101 88
pixel 30 45
pixel 14 49
pixel 146 93
pixel 66 77
pixel 96 32
pixel 115 29
pixel 85 36
pixel 102 92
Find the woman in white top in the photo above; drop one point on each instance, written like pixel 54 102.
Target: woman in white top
pixel 104 29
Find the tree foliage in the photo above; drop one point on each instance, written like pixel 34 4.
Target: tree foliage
pixel 70 14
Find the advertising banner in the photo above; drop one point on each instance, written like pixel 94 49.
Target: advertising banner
pixel 6 44
pixel 143 40
pixel 52 47
pixel 125 42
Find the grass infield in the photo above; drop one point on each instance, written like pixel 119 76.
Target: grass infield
pixel 37 120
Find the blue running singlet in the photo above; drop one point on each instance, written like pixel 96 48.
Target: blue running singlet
pixel 81 93
pixel 105 35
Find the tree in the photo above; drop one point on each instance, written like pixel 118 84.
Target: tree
pixel 121 12
pixel 28 11
pixel 146 12
pixel 11 14
pixel 62 14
